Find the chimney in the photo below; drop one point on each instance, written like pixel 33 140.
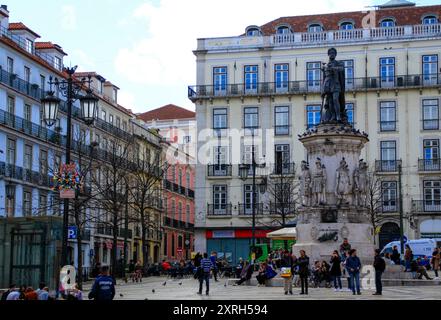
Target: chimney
pixel 4 16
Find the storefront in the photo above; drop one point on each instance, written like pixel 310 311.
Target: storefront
pixel 431 229
pixel 233 244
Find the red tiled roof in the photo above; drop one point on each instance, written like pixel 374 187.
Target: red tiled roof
pixel 330 21
pixel 167 112
pixel 49 45
pixel 21 26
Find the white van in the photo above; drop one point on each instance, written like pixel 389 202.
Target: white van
pixel 420 247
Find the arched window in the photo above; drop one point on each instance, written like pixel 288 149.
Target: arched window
pixel 315 27
pixel 347 25
pixel 252 31
pixel 430 20
pixel 283 30
pixel 387 23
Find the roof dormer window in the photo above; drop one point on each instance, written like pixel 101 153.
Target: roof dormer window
pixel 347 25
pixel 29 45
pixel 387 23
pixel 315 27
pixel 283 30
pixel 252 31
pixel 430 20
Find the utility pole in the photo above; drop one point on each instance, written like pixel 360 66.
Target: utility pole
pixel 400 203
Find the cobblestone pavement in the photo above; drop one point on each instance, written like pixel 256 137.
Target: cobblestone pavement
pixel 186 290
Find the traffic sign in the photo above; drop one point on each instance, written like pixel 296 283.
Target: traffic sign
pixel 72 232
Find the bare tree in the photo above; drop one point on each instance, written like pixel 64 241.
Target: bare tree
pixel 145 194
pixel 284 197
pixel 374 199
pixel 110 181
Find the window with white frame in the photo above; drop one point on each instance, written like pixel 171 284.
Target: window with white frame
pixel 251 74
pixel 313 115
pixel 281 120
pixel 220 79
pixel 281 76
pixel 313 75
pixel 430 114
pixel 430 69
pixel 430 20
pixel 251 118
pixel 389 196
pixel 388 116
pixel 219 199
pixel 220 118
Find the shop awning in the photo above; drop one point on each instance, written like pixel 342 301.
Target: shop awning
pixel 283 234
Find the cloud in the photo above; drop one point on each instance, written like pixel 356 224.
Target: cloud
pixel 68 18
pixel 84 61
pixel 126 99
pixel 164 55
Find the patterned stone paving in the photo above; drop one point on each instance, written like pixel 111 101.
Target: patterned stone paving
pixel 186 290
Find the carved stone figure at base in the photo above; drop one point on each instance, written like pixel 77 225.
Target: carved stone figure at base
pixel 360 183
pixel 305 185
pixel 343 184
pixel 319 183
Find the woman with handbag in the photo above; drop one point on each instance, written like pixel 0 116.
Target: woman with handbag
pixel 287 266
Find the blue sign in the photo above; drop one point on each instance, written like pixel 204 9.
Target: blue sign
pixel 72 232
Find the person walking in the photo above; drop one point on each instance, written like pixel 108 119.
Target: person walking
pixel 353 265
pixel 335 271
pixel 103 288
pixel 303 263
pixel 436 257
pixel 287 267
pixel 395 256
pixel 380 267
pixel 213 258
pixel 408 258
pixel 204 273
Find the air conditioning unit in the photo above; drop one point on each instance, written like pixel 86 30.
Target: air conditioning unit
pixel 373 82
pixel 400 81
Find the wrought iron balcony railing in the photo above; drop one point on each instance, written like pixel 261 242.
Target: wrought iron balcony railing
pixel 286 209
pixel 219 170
pixel 387 165
pixel 25 175
pixel 219 209
pixel 246 209
pixel 283 169
pixel 429 164
pixel 313 86
pixel 426 206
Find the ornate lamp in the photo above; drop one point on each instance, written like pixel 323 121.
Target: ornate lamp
pixel 50 105
pixel 243 171
pixel 88 107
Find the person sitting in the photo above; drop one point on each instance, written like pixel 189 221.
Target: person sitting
pixel 266 272
pixel 425 262
pixel 388 259
pixel 325 275
pixel 316 274
pixel 395 256
pixel 418 270
pixel 246 273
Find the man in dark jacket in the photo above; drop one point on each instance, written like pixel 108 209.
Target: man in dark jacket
pixel 303 264
pixel 379 266
pixel 103 288
pixel 353 266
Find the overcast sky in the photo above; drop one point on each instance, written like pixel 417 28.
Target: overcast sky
pixel 145 46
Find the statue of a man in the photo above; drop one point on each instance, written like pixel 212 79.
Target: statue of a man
pixel 319 183
pixel 343 183
pixel 360 183
pixel 333 90
pixel 305 185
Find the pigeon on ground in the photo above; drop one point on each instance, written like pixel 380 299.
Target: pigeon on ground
pixel 164 283
pixel 153 290
pixel 121 295
pixel 225 284
pixel 180 283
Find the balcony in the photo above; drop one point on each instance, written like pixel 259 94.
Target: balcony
pixel 104 230
pixel 310 87
pixel 281 169
pixel 322 38
pixel 426 206
pixel 260 171
pixel 219 210
pixel 122 233
pixel 219 170
pixel 387 166
pixel 25 175
pixel 246 209
pixel 429 165
pixel 177 224
pixel 34 91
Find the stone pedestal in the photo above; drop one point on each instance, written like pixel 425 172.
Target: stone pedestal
pixel 322 225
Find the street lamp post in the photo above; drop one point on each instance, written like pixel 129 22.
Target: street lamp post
pixel 70 89
pixel 243 172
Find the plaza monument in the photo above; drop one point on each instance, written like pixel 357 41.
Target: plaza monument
pixel 333 182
